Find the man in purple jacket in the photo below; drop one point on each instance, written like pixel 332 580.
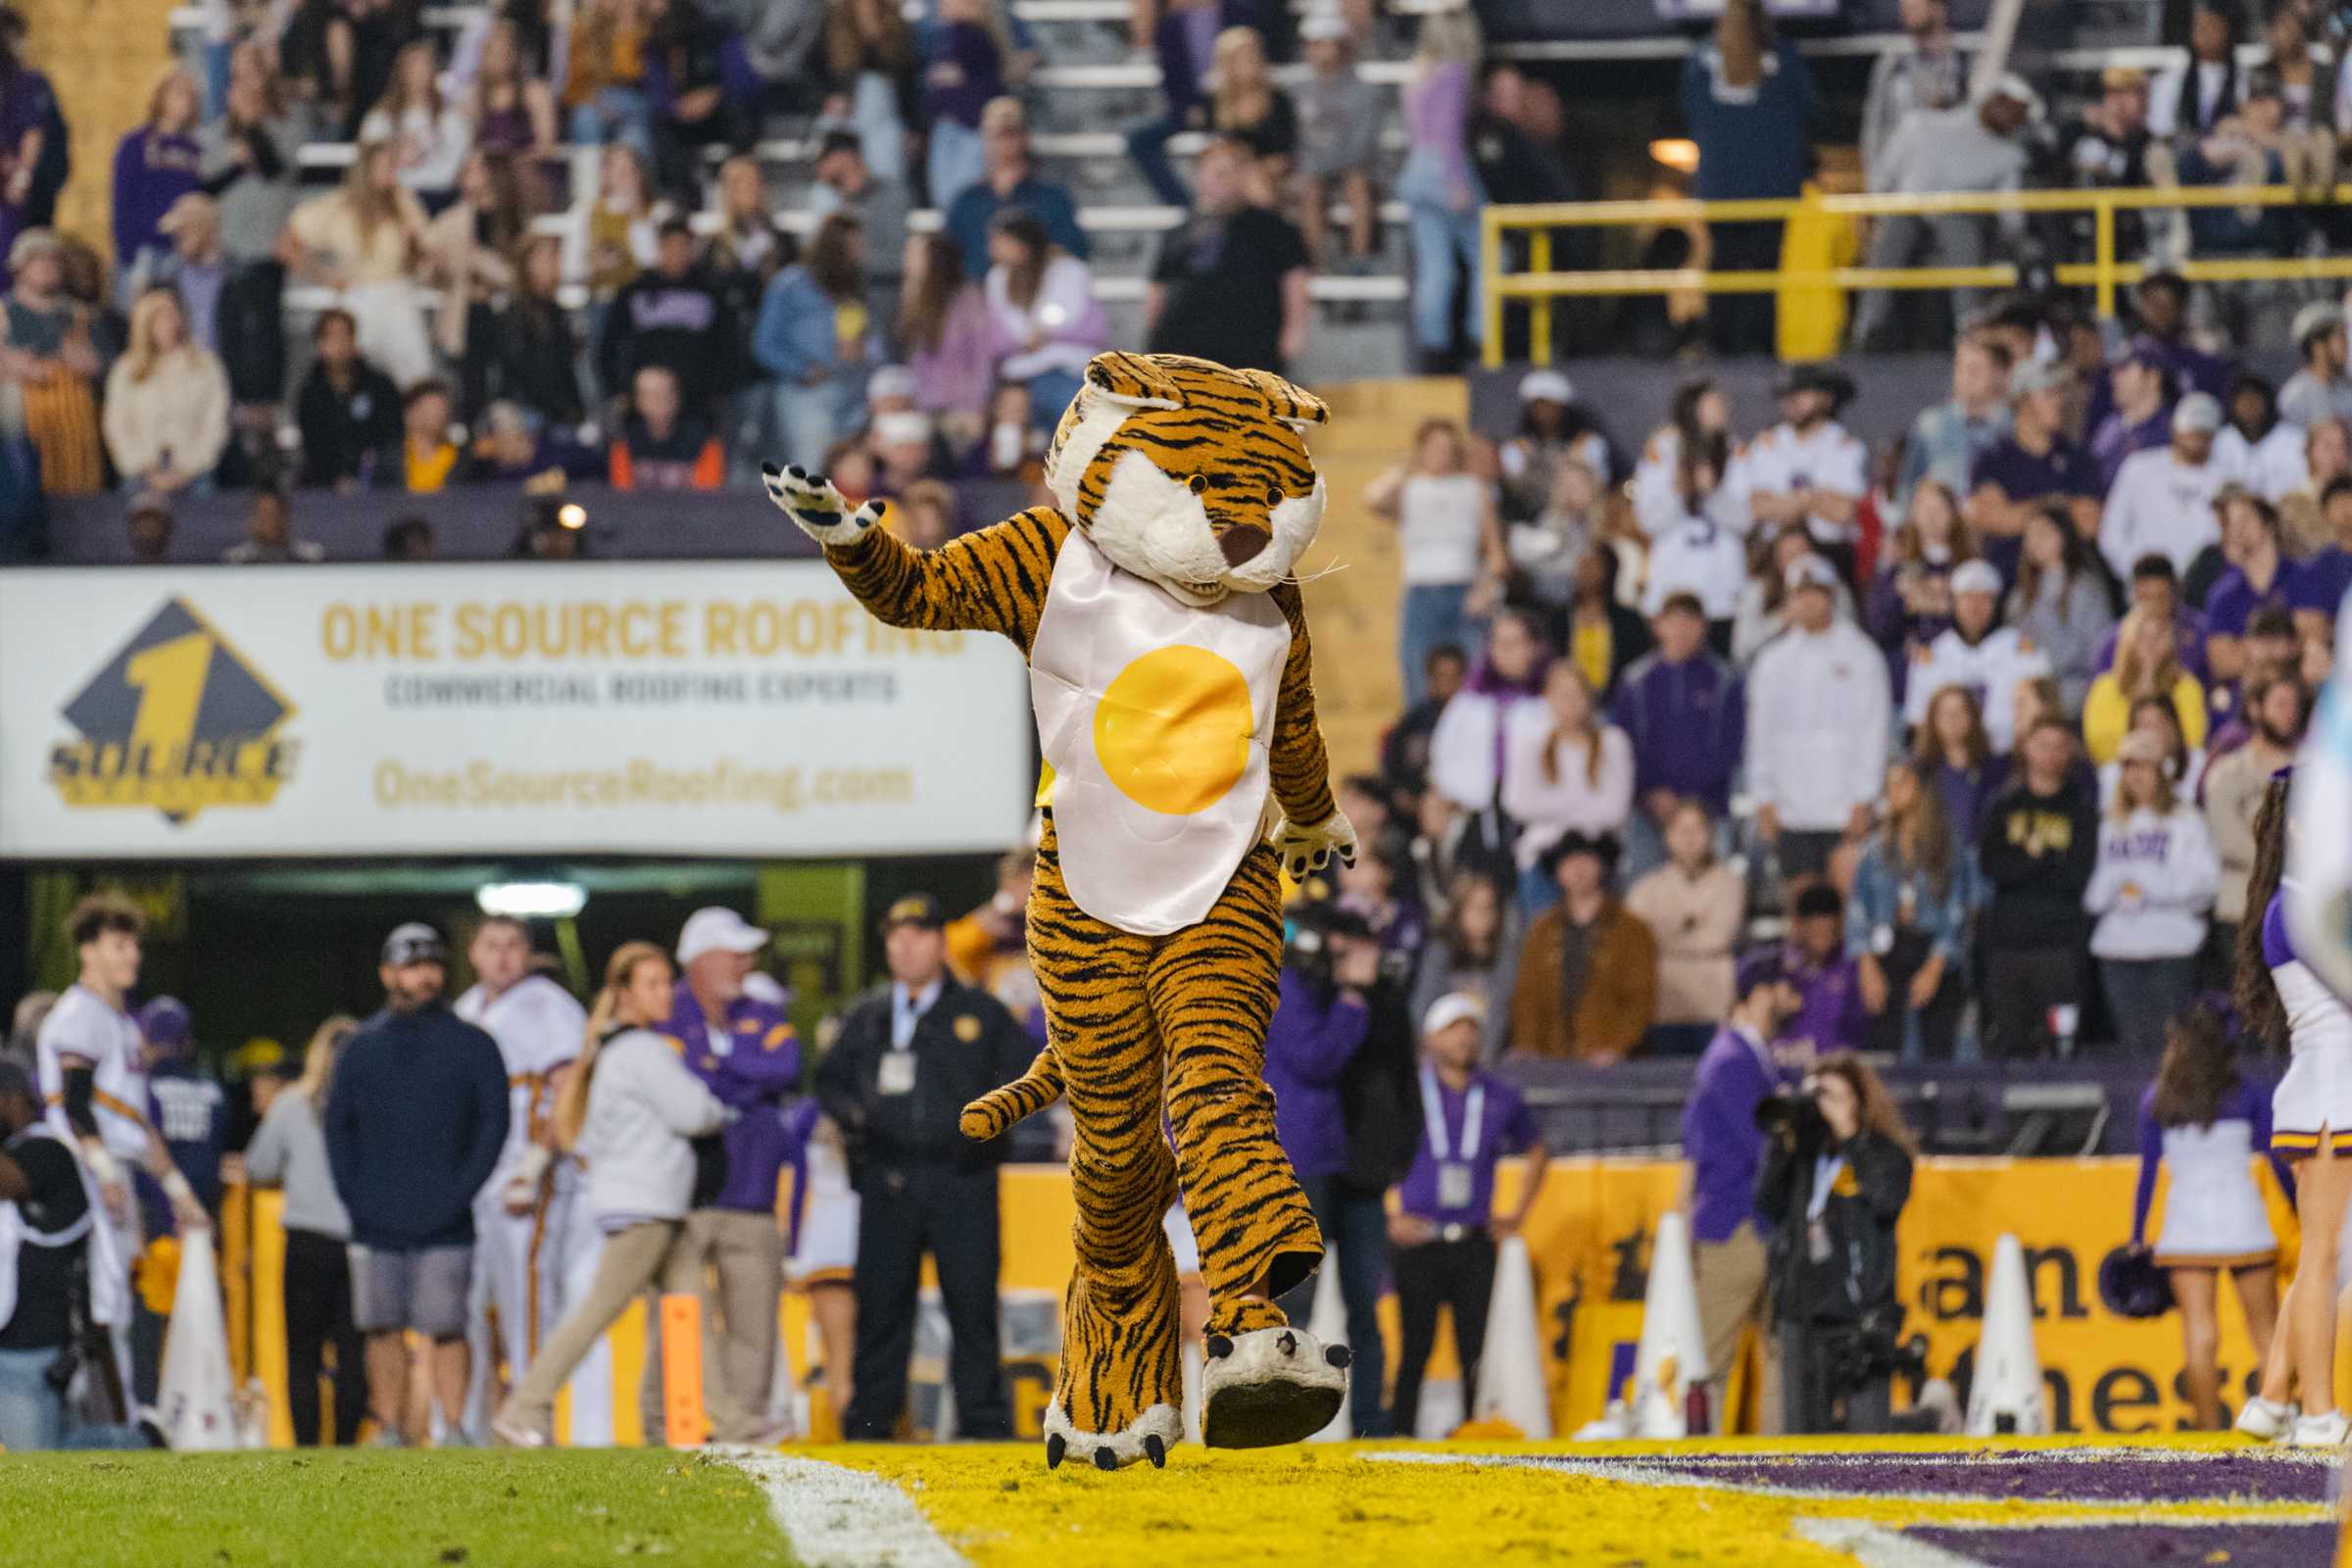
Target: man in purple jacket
pixel 746 1051
pixel 1329 981
pixel 1686 711
pixel 1725 1151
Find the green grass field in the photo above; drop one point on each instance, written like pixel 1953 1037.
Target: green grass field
pixel 324 1508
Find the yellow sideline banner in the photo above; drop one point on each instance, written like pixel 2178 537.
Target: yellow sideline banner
pixel 1590 1235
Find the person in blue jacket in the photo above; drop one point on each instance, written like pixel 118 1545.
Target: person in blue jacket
pixel 815 341
pixel 414 1124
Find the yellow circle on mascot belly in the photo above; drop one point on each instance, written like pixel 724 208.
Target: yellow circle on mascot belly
pixel 1172 731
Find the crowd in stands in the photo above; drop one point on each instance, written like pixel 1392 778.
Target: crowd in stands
pixel 553 245
pixel 1978 723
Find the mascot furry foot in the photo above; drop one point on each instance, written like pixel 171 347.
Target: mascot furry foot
pixel 1149 1436
pixel 1271 1387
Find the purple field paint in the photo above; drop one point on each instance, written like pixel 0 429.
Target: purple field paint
pixel 2249 1545
pixel 2064 1475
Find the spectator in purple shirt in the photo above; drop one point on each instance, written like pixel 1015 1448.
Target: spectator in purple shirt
pixel 1685 712
pixel 2031 467
pixel 2141 415
pixel 745 1052
pixel 1725 1152
pixel 1443 1235
pixel 2261 576
pixel 155 166
pixel 1829 1016
pixel 1322 1019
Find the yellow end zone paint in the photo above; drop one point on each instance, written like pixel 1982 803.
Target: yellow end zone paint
pixel 1336 1505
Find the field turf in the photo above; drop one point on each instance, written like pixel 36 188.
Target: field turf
pixel 1863 1504
pixel 325 1509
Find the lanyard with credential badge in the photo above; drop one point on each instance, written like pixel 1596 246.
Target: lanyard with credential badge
pixel 1454 1175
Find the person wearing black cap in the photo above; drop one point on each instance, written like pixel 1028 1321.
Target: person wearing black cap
pixel 1587 985
pixel 414 1125
pixel 190 1109
pixel 1808 468
pixel 909 1057
pixel 43 1261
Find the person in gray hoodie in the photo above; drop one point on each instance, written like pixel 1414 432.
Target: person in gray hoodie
pixel 630 1109
pixel 289 1152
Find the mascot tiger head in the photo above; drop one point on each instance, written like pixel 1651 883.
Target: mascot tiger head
pixel 1188 475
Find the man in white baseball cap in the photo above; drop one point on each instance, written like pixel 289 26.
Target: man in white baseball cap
pixel 2321 387
pixel 746 1051
pixel 1977 655
pixel 719 930
pixel 2161 503
pixel 1442 1235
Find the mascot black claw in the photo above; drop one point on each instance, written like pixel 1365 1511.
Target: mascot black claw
pixel 1169 666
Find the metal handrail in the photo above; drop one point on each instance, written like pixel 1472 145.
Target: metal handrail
pixel 1540 284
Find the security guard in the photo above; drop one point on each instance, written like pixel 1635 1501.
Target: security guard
pixel 908 1056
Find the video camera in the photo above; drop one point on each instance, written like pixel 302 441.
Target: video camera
pixel 1307 951
pixel 1795 1116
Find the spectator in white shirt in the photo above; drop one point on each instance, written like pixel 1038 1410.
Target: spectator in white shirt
pixel 2162 500
pixel 2153 892
pixel 2321 387
pixel 2195 96
pixel 1566 768
pixel 1703 553
pixel 429 133
pixel 1808 468
pixel 1987 659
pixel 1446 531
pixel 1699 409
pixel 1466 750
pixel 1043 319
pixel 2256 447
pixel 1817 716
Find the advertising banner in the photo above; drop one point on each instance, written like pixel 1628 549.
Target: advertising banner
pixel 1589 1236
pixel 747 708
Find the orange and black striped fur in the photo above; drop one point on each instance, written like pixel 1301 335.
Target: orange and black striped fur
pixel 1141 1025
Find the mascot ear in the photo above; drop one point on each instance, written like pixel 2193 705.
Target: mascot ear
pixel 1293 406
pixel 1133 382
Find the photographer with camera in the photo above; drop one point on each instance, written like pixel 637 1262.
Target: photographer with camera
pixel 46 1335
pixel 1837 1174
pixel 1334 1027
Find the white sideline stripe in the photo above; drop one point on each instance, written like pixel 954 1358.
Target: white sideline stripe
pixel 837 1517
pixel 1877 1546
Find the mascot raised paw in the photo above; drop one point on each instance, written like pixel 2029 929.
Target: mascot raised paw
pixel 1169 666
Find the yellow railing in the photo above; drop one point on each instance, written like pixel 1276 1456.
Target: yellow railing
pixel 1540 285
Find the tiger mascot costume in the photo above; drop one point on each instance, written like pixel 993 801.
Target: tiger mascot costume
pixel 1169 668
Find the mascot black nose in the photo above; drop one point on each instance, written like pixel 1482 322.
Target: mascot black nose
pixel 1242 542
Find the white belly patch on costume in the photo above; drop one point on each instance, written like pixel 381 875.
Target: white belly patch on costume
pixel 1155 717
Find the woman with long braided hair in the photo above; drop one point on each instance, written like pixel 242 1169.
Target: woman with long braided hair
pixel 2281 1001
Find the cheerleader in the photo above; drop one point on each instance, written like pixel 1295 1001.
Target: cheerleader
pixel 2280 998
pixel 823 1265
pixel 2204 1121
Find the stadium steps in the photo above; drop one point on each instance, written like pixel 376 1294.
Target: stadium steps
pixel 104 88
pixel 1354 608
